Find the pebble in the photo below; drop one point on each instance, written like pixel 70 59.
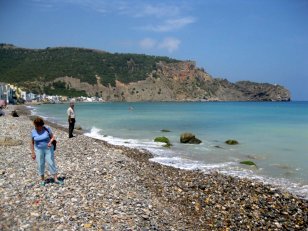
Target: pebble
pixel 110 187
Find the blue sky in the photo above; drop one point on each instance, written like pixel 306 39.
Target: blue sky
pixel 256 40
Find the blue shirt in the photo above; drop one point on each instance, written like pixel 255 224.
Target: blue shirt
pixel 41 139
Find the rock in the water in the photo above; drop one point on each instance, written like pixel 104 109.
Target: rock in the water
pixel 185 137
pixel 195 141
pixel 163 139
pixel 189 138
pixel 248 162
pixel 232 142
pixel 165 130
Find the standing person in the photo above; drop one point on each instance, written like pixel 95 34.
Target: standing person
pixel 71 119
pixel 1 112
pixel 43 150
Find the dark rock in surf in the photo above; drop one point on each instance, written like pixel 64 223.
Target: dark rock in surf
pixel 189 138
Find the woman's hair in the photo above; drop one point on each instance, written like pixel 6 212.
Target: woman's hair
pixel 38 121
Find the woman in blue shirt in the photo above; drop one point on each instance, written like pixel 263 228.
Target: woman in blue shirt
pixel 43 150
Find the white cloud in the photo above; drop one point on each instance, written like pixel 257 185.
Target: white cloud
pixel 165 16
pixel 43 4
pixel 171 44
pixel 148 43
pixel 171 24
pixel 133 8
pixel 158 10
pixel 101 6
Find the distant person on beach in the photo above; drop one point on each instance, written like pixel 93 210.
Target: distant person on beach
pixel 43 150
pixel 3 104
pixel 14 114
pixel 1 112
pixel 71 119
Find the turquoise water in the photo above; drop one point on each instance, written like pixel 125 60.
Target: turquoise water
pixel 274 135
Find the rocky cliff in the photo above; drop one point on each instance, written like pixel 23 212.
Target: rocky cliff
pixel 181 81
pixel 123 77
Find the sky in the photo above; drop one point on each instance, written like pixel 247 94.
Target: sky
pixel 255 40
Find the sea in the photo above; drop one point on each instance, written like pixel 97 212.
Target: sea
pixel 274 135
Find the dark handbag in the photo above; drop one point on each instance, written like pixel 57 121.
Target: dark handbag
pixel 54 142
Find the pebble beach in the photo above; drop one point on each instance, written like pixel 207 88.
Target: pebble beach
pixel 110 187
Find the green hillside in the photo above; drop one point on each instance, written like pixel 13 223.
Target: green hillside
pixel 18 65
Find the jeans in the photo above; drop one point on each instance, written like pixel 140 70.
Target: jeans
pixel 47 155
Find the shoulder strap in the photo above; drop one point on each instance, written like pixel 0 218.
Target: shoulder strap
pixel 47 131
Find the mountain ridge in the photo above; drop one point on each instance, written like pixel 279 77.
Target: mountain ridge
pixel 124 77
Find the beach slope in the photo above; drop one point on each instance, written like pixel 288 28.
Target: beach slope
pixel 117 188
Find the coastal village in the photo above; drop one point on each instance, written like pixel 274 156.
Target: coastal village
pixel 12 94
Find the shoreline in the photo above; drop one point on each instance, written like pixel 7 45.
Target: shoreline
pixel 146 155
pixel 170 198
pixel 296 187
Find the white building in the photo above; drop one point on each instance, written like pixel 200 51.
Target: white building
pixel 23 95
pixel 4 90
pixel 30 96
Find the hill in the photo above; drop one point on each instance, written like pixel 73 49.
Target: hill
pixel 122 77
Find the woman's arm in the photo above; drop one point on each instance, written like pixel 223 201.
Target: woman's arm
pixel 52 137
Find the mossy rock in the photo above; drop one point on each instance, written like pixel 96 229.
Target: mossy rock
pixel 165 130
pixel 248 162
pixel 163 139
pixel 232 142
